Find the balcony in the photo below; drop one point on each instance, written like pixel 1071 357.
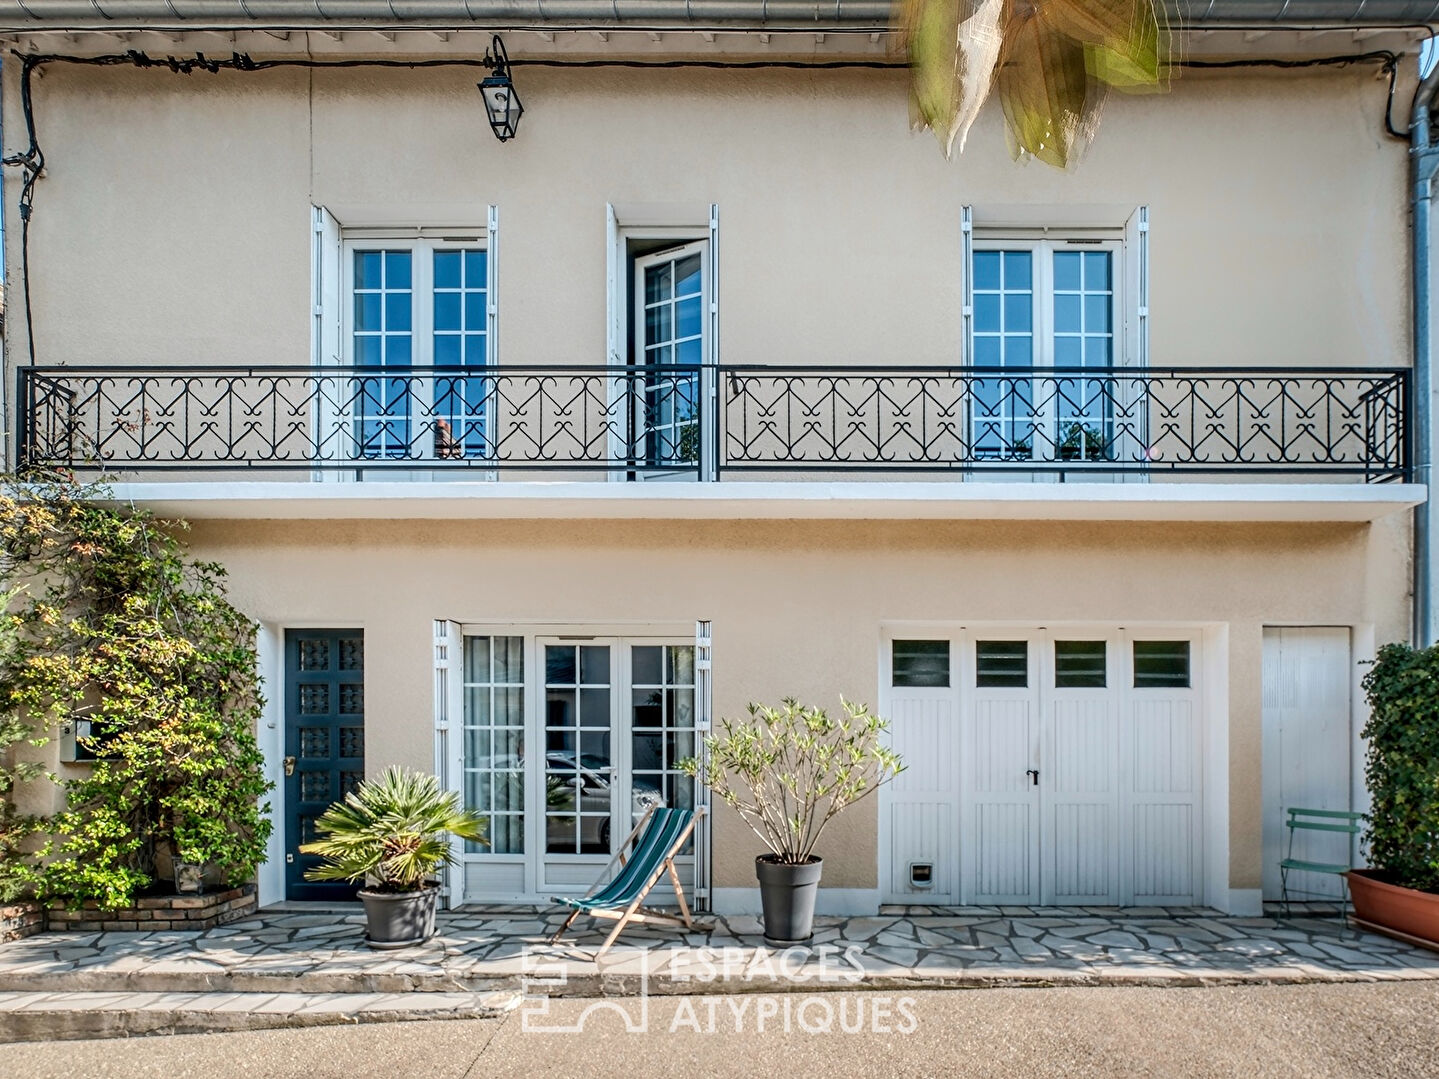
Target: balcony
pixel 718 423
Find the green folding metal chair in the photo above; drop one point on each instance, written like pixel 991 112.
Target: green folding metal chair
pixel 659 836
pixel 1318 820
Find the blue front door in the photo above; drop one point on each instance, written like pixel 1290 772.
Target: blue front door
pixel 324 742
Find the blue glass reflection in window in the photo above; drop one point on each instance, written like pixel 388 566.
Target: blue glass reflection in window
pixel 461 318
pixel 382 309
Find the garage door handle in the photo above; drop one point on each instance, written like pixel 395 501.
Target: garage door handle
pixel 1033 774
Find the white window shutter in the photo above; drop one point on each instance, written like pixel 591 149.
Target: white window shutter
pixel 615 291
pixel 449 740
pixel 331 434
pixel 492 264
pixel 966 233
pixel 704 722
pixel 1136 246
pixel 710 449
pixel 1133 398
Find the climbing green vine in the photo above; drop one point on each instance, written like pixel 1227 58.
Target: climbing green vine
pixel 111 628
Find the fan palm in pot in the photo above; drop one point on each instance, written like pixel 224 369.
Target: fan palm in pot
pixel 392 834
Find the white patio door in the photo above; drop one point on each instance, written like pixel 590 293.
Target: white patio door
pixel 567 741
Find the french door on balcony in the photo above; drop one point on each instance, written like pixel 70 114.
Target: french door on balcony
pixel 671 293
pixel 417 304
pixel 1045 313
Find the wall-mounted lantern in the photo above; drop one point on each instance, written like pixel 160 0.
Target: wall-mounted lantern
pixel 502 103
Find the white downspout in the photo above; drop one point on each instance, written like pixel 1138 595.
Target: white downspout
pixel 1424 165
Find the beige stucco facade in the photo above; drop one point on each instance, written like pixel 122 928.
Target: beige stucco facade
pixel 173 225
pixel 797 607
pixel 175 211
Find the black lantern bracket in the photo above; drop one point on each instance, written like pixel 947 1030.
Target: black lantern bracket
pixel 502 101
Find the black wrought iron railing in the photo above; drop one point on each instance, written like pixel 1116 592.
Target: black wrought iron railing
pixel 709 422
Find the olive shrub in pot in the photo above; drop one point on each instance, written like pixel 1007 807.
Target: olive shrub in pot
pixel 788 772
pixel 391 834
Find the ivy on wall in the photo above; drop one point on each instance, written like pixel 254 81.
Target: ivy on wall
pixel 1402 770
pixel 111 628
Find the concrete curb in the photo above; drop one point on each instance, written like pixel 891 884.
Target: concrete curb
pixel 71 1016
pixel 629 982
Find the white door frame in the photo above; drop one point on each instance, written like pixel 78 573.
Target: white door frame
pixel 547 874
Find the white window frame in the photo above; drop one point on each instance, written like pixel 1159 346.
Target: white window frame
pixel 535 861
pixel 622 225
pixel 681 249
pixel 1128 245
pixel 333 306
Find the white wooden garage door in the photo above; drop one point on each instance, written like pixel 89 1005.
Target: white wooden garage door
pixel 1044 767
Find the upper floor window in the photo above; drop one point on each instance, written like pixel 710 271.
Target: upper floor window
pixel 1057 314
pixel 418 302
pixel 1045 313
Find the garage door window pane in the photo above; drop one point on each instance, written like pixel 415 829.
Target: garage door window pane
pixel 1079 665
pixel 1002 664
pixel 1161 664
pixel 921 664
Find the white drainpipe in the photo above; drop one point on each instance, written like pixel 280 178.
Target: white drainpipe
pixel 1424 165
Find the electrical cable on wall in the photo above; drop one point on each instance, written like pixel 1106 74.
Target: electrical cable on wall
pixel 32 159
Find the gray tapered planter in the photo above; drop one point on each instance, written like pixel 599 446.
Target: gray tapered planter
pixel 787 893
pixel 399 919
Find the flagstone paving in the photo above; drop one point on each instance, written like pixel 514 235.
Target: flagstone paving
pixel 310 966
pixel 484 949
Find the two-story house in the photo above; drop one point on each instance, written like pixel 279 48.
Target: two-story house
pixel 713 382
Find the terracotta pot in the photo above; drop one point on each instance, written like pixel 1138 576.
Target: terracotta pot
pixel 1388 906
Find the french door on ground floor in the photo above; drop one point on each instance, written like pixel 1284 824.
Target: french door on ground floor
pixel 562 741
pixel 1045 767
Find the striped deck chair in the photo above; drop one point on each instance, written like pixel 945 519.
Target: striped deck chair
pixel 659 836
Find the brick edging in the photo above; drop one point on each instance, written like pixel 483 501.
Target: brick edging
pixel 20 919
pixel 204 911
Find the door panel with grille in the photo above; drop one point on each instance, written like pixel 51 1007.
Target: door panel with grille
pixel 324 742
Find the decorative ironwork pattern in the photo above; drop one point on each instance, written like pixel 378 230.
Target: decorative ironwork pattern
pixel 1024 420
pixel 352 742
pixel 352 700
pixel 315 786
pixel 712 421
pixel 352 654
pixel 314 742
pixel 350 782
pixel 314 700
pixel 314 655
pixel 364 418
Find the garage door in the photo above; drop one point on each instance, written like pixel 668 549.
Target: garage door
pixel 1045 768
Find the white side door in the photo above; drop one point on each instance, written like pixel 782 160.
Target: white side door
pixel 1306 749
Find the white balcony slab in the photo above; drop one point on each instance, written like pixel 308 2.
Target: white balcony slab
pixel 788 500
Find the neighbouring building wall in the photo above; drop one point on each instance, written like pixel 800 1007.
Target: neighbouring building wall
pixel 172 224
pixel 797 607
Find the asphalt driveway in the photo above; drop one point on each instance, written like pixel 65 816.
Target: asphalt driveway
pixel 1351 1030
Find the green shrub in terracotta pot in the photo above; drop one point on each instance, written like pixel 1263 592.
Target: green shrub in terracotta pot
pixel 1401 892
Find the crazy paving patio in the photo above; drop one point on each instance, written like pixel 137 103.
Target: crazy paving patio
pixel 291 950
